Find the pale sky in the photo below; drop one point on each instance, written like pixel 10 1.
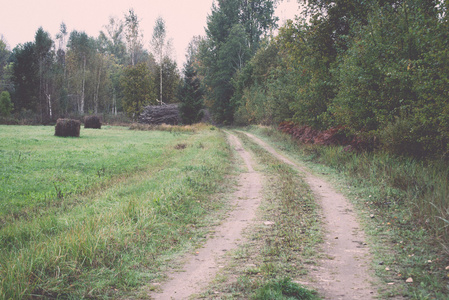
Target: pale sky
pixel 20 19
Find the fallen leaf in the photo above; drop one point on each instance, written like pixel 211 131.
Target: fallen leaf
pixel 387 269
pixel 447 268
pixel 409 280
pixel 390 283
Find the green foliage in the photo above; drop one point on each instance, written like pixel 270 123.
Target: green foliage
pixel 133 36
pixel 170 79
pixel 25 77
pixel 372 67
pixel 4 56
pixel 6 106
pixel 138 89
pixel 111 41
pixel 234 31
pixel 191 96
pixel 76 73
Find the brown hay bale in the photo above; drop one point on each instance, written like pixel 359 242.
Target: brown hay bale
pixel 92 122
pixel 67 127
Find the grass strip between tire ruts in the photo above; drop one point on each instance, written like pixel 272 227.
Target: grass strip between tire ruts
pixel 281 243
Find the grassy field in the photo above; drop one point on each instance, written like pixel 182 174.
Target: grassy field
pixel 96 216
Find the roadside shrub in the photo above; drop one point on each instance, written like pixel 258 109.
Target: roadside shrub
pixel 67 127
pixel 92 122
pixel 308 135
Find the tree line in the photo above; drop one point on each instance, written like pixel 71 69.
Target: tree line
pixel 76 74
pixel 373 70
pixel 377 70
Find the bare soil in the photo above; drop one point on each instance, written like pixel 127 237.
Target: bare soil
pixel 202 266
pixel 344 271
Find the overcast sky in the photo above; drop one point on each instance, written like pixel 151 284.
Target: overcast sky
pixel 20 19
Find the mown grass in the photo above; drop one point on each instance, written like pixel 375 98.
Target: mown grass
pixel 280 245
pixel 404 204
pixel 127 200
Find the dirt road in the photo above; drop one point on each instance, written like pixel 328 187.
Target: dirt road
pixel 202 267
pixel 343 274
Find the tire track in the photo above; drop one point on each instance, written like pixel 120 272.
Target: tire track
pixel 202 267
pixel 345 272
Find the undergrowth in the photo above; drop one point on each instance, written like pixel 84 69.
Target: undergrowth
pixel 404 204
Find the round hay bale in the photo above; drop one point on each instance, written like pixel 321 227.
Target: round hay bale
pixel 67 127
pixel 92 122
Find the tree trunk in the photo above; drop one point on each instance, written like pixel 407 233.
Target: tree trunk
pixel 82 88
pixel 114 102
pixel 160 74
pixel 97 91
pixel 49 105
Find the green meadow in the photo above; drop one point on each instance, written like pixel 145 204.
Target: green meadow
pixel 96 216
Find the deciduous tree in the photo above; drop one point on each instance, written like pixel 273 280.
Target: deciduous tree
pixel 81 49
pixel 138 89
pixel 234 30
pixel 133 36
pixel 162 48
pixel 44 54
pixel 6 106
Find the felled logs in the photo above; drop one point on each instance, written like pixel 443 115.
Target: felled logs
pixel 160 114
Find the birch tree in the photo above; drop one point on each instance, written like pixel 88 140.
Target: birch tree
pixel 81 47
pixel 161 47
pixel 133 35
pixel 43 47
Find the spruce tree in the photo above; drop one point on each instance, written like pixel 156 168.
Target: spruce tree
pixel 191 95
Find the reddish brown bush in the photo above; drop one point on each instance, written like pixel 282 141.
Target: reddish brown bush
pixel 67 127
pixel 308 135
pixel 92 122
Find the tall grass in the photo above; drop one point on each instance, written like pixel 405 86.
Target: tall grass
pixel 420 186
pixel 408 203
pixel 108 238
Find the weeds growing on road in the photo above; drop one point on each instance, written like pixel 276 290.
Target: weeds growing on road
pixel 280 245
pixel 125 201
pixel 404 204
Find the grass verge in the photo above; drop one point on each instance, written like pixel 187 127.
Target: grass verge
pixel 403 204
pixel 110 237
pixel 279 246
